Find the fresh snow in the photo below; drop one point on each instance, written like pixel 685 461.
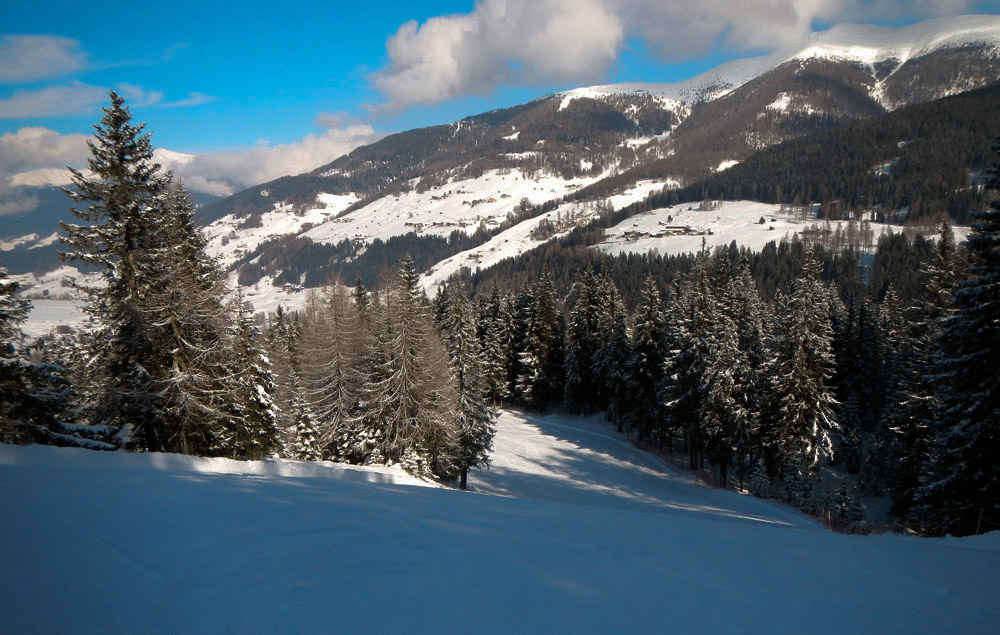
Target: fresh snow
pixel 228 241
pixel 517 239
pixel 588 534
pixel 733 220
pixel 862 43
pixel 460 205
pixel 46 315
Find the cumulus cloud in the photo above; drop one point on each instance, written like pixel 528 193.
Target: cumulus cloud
pixel 223 173
pixel 502 41
pixel 532 41
pixel 30 57
pixel 35 156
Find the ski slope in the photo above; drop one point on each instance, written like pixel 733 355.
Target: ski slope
pixel 581 533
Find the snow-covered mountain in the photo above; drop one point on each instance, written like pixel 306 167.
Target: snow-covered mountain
pixel 561 159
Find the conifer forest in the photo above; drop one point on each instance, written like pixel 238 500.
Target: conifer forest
pixel 765 370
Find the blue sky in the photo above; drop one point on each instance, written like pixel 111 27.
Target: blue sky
pixel 286 84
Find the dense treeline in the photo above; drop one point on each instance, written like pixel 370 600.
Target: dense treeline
pixel 773 369
pixel 915 162
pixel 774 377
pixel 175 364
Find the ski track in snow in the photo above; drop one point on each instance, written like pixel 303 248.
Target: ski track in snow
pixel 590 534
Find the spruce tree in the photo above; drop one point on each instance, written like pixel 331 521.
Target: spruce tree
pixel 253 430
pixel 801 421
pixel 475 418
pixel 961 491
pixel 35 395
pixel 408 403
pixel 125 193
pixel 645 365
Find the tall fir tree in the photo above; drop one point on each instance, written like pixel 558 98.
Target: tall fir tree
pixel 408 403
pixel 125 193
pixel 960 493
pixel 476 427
pixel 801 420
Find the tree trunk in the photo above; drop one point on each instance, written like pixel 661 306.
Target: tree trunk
pixel 464 478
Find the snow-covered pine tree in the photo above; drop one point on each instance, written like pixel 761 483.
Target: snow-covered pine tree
pixel 802 418
pixel 908 428
pixel 497 345
pixel 541 359
pixel 645 366
pixel 611 363
pixel 476 427
pixel 691 344
pixel 125 193
pixel 750 317
pixel 307 445
pixel 281 349
pixel 186 306
pixel 583 339
pixel 35 395
pixel 961 492
pixel 253 431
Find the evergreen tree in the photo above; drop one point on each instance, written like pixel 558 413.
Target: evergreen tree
pixel 35 395
pixel 583 339
pixel 802 420
pixel 186 308
pixel 497 345
pixel 475 418
pixel 541 360
pixel 408 403
pixel 125 215
pixel 645 365
pixel 961 491
pixel 909 425
pixel 253 431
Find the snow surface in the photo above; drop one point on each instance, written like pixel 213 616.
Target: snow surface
pixel 228 242
pixel 46 315
pixel 734 220
pixel 590 535
pixel 863 43
pixel 517 239
pixel 458 205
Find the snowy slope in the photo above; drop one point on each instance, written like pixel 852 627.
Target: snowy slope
pixel 518 239
pixel 459 205
pixel 591 536
pixel 733 220
pixel 866 44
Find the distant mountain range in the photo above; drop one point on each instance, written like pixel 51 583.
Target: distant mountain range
pixel 439 189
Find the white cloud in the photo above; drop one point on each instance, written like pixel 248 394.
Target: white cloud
pixel 70 99
pixel 36 156
pixel 223 173
pixel 77 98
pixel 31 57
pixel 502 41
pixel 531 41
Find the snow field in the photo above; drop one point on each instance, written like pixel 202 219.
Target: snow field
pixel 517 240
pixel 457 205
pixel 156 543
pixel 733 220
